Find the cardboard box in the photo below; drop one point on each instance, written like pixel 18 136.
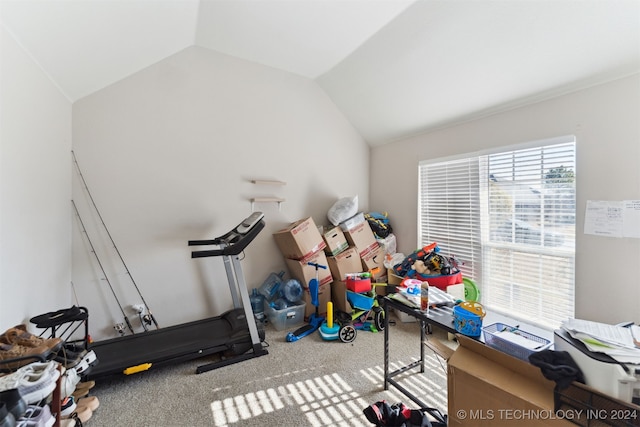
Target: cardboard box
pixel 489 388
pixel 299 240
pixel 339 297
pixel 324 296
pixel 335 240
pixel 392 278
pixel 361 237
pixel 374 259
pixel 303 272
pixel 345 262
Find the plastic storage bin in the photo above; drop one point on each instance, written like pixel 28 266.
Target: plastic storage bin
pixel 286 318
pixel 358 285
pixel 533 343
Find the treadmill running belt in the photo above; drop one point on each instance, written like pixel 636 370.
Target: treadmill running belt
pixel 171 344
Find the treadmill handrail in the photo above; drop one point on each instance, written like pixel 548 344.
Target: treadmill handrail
pixel 234 248
pixel 216 241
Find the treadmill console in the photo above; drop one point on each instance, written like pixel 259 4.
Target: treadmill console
pixel 249 222
pixel 234 241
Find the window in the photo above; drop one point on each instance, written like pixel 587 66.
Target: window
pixel 509 219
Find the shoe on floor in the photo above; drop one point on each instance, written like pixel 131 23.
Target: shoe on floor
pixel 14 402
pixel 27 354
pixel 68 406
pixel 38 416
pixel 80 393
pixel 91 402
pixel 19 335
pixel 83 414
pixel 86 385
pixel 82 389
pixel 72 421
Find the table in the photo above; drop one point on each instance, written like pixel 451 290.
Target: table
pixel 441 317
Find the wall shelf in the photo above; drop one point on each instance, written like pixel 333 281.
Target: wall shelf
pixel 267 199
pixel 277 200
pixel 268 182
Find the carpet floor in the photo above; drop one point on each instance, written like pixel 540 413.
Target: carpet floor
pixel 311 382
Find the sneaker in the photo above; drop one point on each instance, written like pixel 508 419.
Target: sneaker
pixel 72 358
pixel 33 387
pixel 27 355
pixel 37 367
pixel 81 367
pixel 38 416
pixel 68 382
pixel 19 335
pixel 67 406
pixel 91 358
pixel 14 402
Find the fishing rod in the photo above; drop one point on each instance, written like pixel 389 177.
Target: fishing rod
pixel 150 315
pixel 104 273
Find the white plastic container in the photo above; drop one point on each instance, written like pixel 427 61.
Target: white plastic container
pixel 286 318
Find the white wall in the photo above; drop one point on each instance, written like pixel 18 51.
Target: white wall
pixel 168 154
pixel 35 190
pixel 605 120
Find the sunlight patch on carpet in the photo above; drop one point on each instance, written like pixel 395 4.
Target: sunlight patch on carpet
pixel 326 401
pixel 329 400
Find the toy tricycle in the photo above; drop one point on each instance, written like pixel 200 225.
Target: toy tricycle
pixel 366 315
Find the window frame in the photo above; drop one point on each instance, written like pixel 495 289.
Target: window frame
pixel 481 243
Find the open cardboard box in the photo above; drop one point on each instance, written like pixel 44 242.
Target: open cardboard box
pixel 487 387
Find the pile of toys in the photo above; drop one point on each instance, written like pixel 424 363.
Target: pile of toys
pixel 428 264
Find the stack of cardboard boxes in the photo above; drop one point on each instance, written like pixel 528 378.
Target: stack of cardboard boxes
pixel 350 247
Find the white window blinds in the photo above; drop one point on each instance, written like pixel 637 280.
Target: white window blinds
pixel 450 211
pixel 509 217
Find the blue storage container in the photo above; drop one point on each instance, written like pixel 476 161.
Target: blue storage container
pixel 467 322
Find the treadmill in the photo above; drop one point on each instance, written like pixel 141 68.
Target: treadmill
pixel 235 332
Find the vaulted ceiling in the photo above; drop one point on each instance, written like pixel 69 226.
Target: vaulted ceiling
pixel 394 67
